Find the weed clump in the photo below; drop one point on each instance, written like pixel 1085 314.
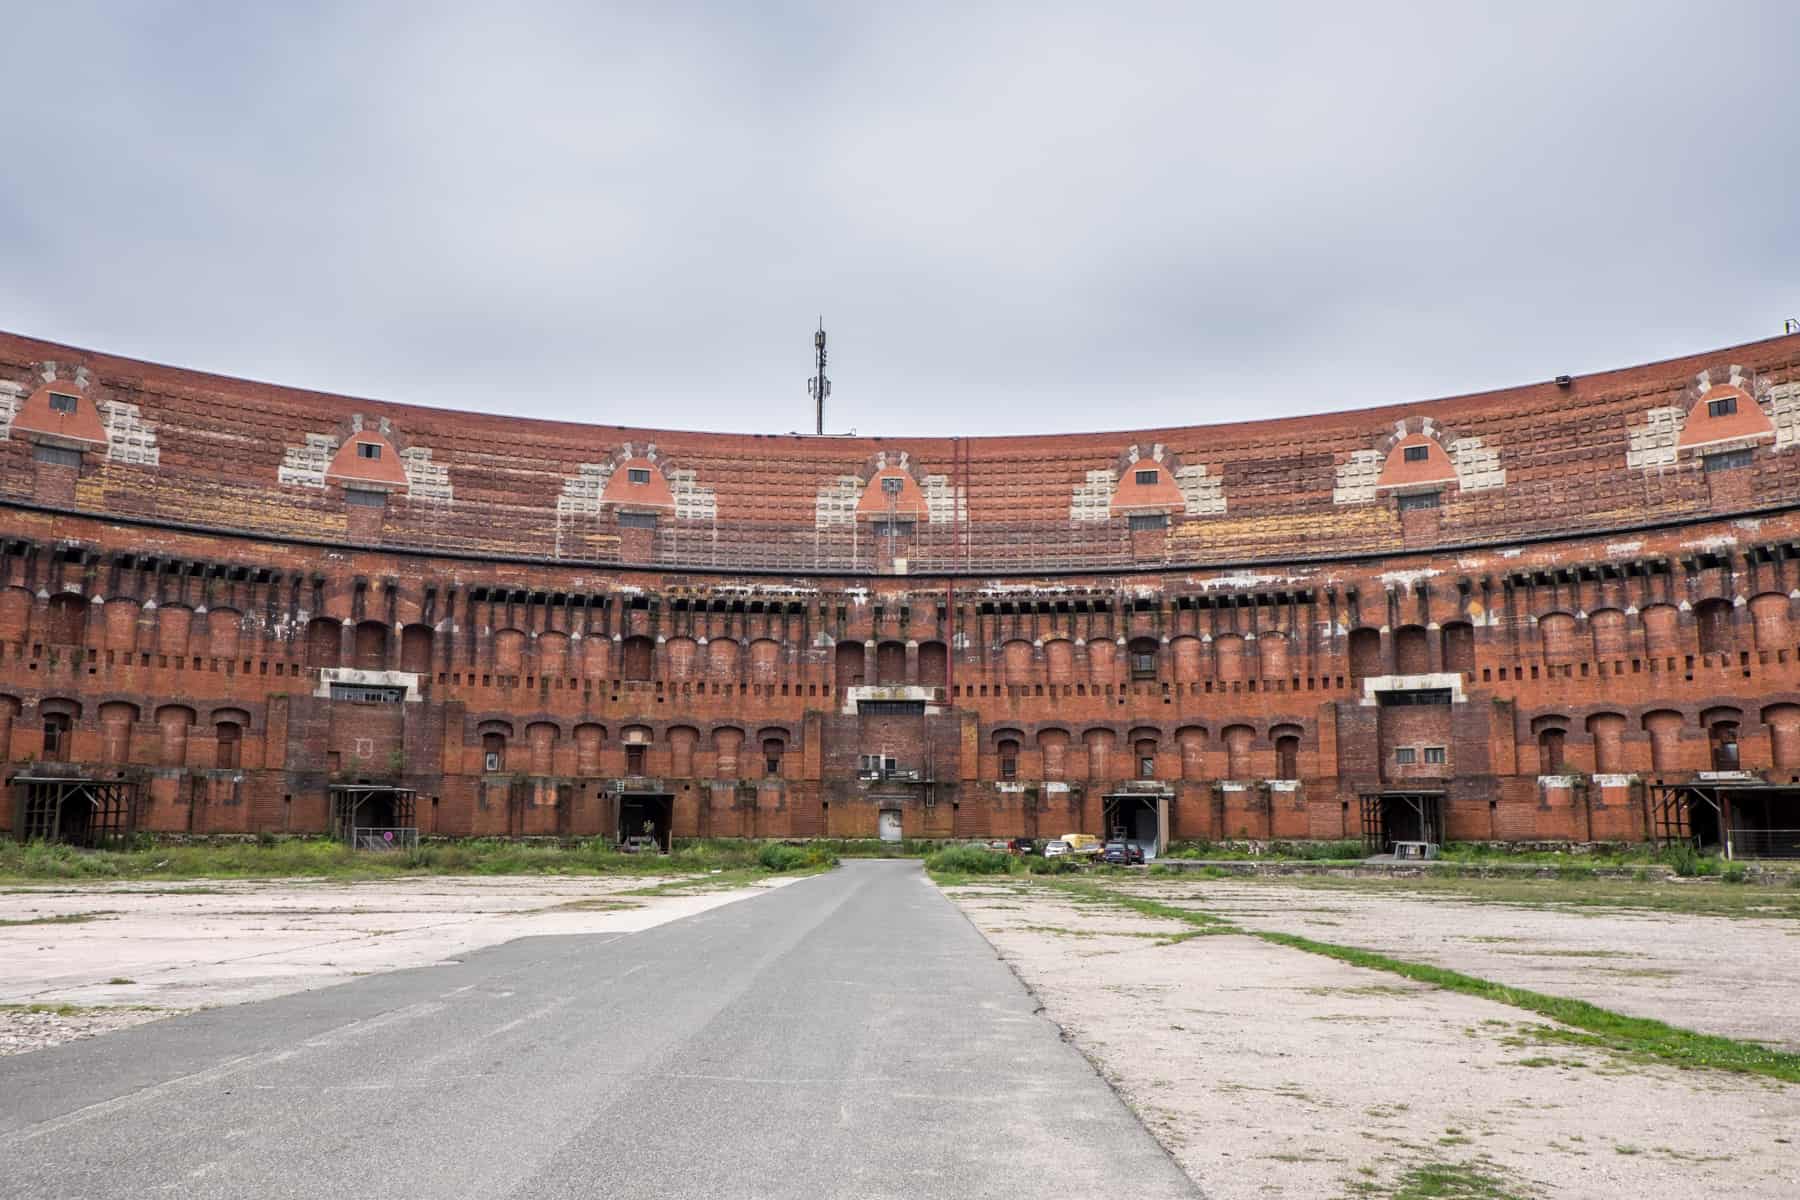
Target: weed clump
pixel 968 860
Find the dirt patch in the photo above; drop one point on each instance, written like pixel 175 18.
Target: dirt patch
pixel 1270 1072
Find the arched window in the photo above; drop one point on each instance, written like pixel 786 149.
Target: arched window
pixel 1724 737
pixel 493 752
pixel 773 749
pixel 58 731
pixel 1008 750
pixel 1550 751
pixel 1287 756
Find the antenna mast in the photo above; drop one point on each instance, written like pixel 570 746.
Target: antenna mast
pixel 819 387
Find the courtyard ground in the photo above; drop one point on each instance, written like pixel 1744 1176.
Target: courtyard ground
pixel 1271 1071
pixel 87 958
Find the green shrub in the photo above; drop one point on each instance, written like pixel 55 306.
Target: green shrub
pixel 968 860
pixel 1735 873
pixel 1062 865
pixel 778 856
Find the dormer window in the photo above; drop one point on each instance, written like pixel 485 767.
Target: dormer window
pixel 371 450
pixel 637 474
pixel 1724 406
pixel 1146 477
pixel 1417 453
pixel 62 403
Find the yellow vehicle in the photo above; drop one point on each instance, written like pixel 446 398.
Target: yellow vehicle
pixel 1082 843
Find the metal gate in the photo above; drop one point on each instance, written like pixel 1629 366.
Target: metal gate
pixel 889 826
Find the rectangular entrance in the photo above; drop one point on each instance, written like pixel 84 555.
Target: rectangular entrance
pixel 1736 819
pixel 1134 818
pixel 372 816
pixel 1389 817
pixel 888 825
pixel 648 814
pixel 80 812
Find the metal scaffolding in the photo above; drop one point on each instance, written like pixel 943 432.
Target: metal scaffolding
pixel 81 812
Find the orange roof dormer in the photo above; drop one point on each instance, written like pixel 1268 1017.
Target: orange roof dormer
pixel 637 484
pixel 1416 462
pixel 908 502
pixel 1146 486
pixel 61 414
pixel 1724 417
pixel 367 462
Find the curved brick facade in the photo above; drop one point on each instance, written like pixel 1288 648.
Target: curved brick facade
pixel 234 605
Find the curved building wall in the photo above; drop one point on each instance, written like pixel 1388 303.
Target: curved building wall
pixel 1533 605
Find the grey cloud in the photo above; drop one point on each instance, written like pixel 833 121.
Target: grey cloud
pixel 1012 218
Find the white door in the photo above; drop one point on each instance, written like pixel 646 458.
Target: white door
pixel 890 825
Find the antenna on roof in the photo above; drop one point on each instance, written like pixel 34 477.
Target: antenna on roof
pixel 819 387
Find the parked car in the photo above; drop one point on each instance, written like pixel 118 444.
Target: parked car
pixel 1056 849
pixel 1022 846
pixel 1122 854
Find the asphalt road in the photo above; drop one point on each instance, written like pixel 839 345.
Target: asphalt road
pixel 850 1035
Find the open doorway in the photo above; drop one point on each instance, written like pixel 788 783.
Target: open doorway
pixel 374 816
pixel 1390 817
pixel 1133 818
pixel 80 812
pixel 647 814
pixel 1765 822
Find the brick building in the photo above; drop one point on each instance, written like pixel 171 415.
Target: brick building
pixel 1561 611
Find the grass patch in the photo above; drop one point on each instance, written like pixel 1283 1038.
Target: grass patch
pixel 1607 1029
pixel 1451 1181
pixel 1697 897
pixel 274 858
pixel 60 919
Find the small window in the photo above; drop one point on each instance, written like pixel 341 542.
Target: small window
pixel 900 527
pixel 364 498
pixel 363 693
pixel 1419 500
pixel 634 760
pixel 1146 477
pixel 1435 755
pixel 1143 665
pixel 1416 453
pixel 1009 767
pixel 370 450
pixel 635 520
pixel 490 762
pixel 637 474
pixel 1729 460
pixel 1724 406
pixel 1139 521
pixel 60 403
pixel 1146 766
pixel 1405 756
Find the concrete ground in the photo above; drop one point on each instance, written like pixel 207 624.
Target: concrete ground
pixel 124 953
pixel 849 1035
pixel 1733 976
pixel 1272 1072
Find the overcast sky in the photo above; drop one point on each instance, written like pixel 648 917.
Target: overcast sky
pixel 1110 216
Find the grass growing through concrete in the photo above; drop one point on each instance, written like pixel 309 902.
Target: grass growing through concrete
pixel 1697 897
pixel 323 858
pixel 60 919
pixel 1599 1028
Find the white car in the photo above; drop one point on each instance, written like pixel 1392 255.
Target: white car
pixel 1055 849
